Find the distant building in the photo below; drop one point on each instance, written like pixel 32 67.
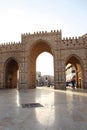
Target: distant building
pixel 38 78
pixel 45 80
pixel 70 72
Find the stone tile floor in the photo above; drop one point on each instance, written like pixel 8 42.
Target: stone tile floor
pixel 62 110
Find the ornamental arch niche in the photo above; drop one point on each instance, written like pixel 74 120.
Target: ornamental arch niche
pixel 38 47
pixel 77 63
pixel 11 73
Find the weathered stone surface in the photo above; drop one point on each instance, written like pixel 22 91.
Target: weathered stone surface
pixel 18 60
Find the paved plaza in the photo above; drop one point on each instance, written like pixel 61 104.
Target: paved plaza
pixel 49 110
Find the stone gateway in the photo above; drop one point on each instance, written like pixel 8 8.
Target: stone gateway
pixel 18 60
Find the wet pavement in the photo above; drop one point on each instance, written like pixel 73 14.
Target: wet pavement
pixel 57 110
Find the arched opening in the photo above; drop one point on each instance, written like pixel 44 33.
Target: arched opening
pixel 44 70
pixel 38 47
pixel 11 74
pixel 74 75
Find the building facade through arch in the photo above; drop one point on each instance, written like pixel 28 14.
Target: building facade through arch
pixel 22 57
pixel 75 61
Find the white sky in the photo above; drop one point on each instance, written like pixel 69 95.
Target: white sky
pixel 24 16
pixel 45 63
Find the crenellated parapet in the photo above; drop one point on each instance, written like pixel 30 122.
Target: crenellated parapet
pixel 10 46
pixel 41 34
pixel 68 42
pixel 75 41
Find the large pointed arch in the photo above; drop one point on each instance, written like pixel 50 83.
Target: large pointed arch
pixel 38 47
pixel 11 74
pixel 75 61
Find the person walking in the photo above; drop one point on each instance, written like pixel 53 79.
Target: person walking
pixel 73 82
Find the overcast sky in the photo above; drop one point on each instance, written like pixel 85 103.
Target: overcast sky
pixel 24 16
pixel 21 16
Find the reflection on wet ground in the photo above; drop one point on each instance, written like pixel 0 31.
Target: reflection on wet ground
pixel 62 110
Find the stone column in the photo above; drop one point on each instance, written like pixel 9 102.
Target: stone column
pixel 22 80
pixel 59 67
pixel 59 74
pixel 23 71
pixel 84 79
pixel 2 75
pixel 31 73
pixel 2 80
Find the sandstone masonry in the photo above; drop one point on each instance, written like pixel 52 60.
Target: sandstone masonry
pixel 18 60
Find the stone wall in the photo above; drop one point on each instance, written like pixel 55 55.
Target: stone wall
pixel 64 51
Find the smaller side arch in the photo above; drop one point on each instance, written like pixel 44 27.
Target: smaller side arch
pixel 11 73
pixel 76 62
